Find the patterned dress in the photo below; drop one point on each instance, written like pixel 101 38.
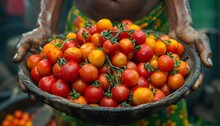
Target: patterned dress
pixel 174 115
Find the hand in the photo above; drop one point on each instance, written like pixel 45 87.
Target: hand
pixel 180 22
pixel 30 41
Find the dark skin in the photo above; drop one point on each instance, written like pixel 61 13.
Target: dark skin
pixel 179 17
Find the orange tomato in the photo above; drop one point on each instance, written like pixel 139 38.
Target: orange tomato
pixel 96 57
pixel 79 100
pixel 183 68
pixel 160 48
pixel 32 60
pixel 142 95
pixel 175 81
pixel 47 48
pixel 86 49
pixel 119 59
pixel 95 39
pixel 54 54
pixel 150 42
pixel 172 46
pixel 73 54
pixel 158 78
pixel 104 24
pixel 71 35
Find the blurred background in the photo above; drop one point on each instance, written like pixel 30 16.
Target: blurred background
pixel 19 16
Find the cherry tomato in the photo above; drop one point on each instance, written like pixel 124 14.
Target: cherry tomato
pixel 35 76
pixel 119 59
pixel 46 48
pixel 110 48
pixel 54 54
pixel 131 65
pixel 93 94
pixel 130 77
pixel 166 89
pixel 86 49
pixel 73 54
pixel 158 78
pixel 79 85
pixel 120 92
pixel 165 63
pixel 103 81
pixel 183 68
pixel 32 60
pixel 68 44
pixel 97 57
pixel 79 100
pixel 144 54
pixel 104 24
pixel 126 46
pixel 88 72
pixel 71 35
pixel 175 81
pixel 158 95
pixel 139 36
pixel 93 29
pixel 160 48
pixel 44 67
pixel 46 83
pixel 60 88
pixel 70 71
pixel 95 39
pixel 142 95
pixel 180 49
pixel 108 102
pixel 83 36
pixel 142 71
pixel 172 46
pixel 56 70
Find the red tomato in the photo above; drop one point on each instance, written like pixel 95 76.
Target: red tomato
pixel 93 29
pixel 32 60
pixel 166 89
pixel 139 36
pixel 83 36
pixel 35 76
pixel 44 67
pixel 70 71
pixel 130 77
pixel 56 70
pixel 88 72
pixel 158 95
pixel 93 94
pixel 119 59
pixel 143 82
pixel 103 81
pixel 104 69
pixel 144 54
pixel 172 46
pixel 108 102
pixel 102 39
pixel 165 63
pixel 46 83
pixel 60 88
pixel 79 85
pixel 110 48
pixel 180 49
pixel 120 92
pixel 126 46
pixel 131 65
pixel 68 44
pixel 142 71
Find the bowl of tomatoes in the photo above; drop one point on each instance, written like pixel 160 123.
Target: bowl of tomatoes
pixel 110 73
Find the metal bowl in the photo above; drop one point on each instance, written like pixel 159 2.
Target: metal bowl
pixel 108 115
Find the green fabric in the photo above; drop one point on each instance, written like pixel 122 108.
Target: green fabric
pixel 174 115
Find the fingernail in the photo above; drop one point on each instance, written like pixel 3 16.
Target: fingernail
pixel 15 56
pixel 209 61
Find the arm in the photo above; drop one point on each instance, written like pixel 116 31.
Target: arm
pixel 47 25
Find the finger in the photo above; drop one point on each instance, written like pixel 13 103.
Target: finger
pixel 204 49
pixel 32 97
pixel 198 82
pixel 188 92
pixel 22 86
pixel 22 47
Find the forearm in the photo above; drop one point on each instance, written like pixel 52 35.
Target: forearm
pixel 50 11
